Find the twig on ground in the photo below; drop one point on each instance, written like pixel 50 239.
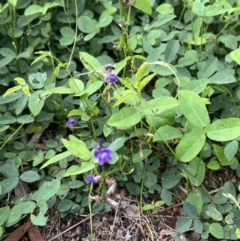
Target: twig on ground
pixel 70 228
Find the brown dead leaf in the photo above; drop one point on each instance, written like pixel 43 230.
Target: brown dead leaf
pixel 34 234
pixel 36 136
pixel 21 189
pixel 19 232
pixel 132 211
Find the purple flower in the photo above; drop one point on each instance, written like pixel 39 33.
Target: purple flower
pixel 104 155
pixel 109 68
pixel 93 179
pixel 71 121
pixel 112 78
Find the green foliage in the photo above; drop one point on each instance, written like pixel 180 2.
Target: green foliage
pixel 172 117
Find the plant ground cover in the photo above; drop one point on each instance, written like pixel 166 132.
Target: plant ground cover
pixel 121 117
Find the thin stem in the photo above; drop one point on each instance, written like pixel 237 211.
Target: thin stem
pixel 75 36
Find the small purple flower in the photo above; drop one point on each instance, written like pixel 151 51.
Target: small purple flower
pixel 104 155
pixel 109 68
pixel 111 78
pixel 71 121
pixel 93 179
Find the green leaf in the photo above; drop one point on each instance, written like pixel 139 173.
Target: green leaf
pixel 104 21
pixel 68 36
pixel 7 53
pixel 10 98
pixel 171 50
pixel 4 213
pixel 89 36
pixel 140 73
pixel 76 170
pixel 67 32
pixel 235 55
pixel 198 226
pixel 92 88
pixel 117 143
pixel 86 24
pixel 64 205
pixel 143 5
pixel 76 184
pixel 190 210
pixel 77 148
pixel 183 224
pixel 8 184
pixel 137 157
pixel 238 233
pixel 144 82
pixel 76 112
pixel 189 58
pixel 125 98
pixel 217 8
pixel 13 2
pixel 213 165
pixel 148 207
pixel 230 41
pixel 231 149
pixel 89 62
pixel 48 5
pixel 158 204
pixel 229 188
pixel 167 133
pixel 197 86
pixel 161 20
pixel 39 220
pixel 166 196
pixel 208 68
pixel 194 108
pixel 26 91
pixel 125 118
pixel 36 103
pixel 29 176
pixel 197 25
pixel 37 80
pixel 190 145
pixel 20 81
pixel 18 210
pixel 23 119
pixel 221 157
pixel 196 171
pixel 47 190
pixel 216 230
pixel 57 90
pixel 224 130
pixel 214 213
pixel 219 197
pixel 12 90
pixel 76 85
pixel 199 8
pixel 158 105
pixel 33 9
pixel 165 8
pixel 56 158
pixel 5 61
pixel 222 77
pixel 195 198
pixel 8 119
pixel 171 178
